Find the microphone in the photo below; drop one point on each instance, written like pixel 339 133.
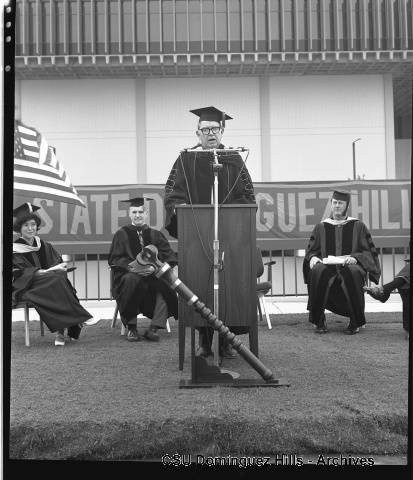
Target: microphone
pixel 219 150
pixel 238 149
pixel 229 149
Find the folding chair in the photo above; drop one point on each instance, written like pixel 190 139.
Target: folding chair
pixel 262 289
pixel 27 306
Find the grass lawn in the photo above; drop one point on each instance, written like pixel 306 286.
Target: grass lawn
pixel 105 398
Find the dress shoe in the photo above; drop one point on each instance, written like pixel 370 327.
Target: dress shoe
pixel 59 339
pixel 377 293
pixel 92 321
pixel 350 330
pixel 133 335
pixel 322 326
pixel 228 352
pixel 74 332
pixel 151 335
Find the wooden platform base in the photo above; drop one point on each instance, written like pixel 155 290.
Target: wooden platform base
pixel 205 375
pixel 236 383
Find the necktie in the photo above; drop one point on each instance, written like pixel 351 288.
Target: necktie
pixel 140 238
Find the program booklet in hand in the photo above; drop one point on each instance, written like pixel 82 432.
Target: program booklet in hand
pixel 333 260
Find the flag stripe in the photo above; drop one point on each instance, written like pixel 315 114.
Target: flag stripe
pixel 46 182
pixel 45 168
pixel 34 169
pixel 41 178
pixel 30 143
pixel 39 189
pixel 31 154
pixel 27 131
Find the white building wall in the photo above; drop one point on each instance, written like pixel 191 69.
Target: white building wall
pixel 98 126
pixel 90 122
pixel 314 120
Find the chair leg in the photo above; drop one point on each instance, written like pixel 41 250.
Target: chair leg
pixel 259 307
pixel 41 328
pixel 26 326
pixel 262 302
pixel 122 329
pixel 115 316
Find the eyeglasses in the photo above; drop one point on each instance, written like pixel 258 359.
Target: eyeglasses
pixel 207 131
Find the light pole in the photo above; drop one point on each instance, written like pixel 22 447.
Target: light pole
pixel 354 157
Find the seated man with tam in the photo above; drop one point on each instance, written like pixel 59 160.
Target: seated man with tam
pixel 191 181
pixel 135 288
pixel 337 284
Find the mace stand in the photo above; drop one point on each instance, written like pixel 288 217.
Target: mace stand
pixel 212 375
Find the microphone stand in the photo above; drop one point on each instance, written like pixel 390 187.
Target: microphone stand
pixel 216 168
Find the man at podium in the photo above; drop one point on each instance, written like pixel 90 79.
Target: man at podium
pixel 191 178
pixel 191 181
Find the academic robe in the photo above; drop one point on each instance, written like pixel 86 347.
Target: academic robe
pixel 404 292
pixel 339 288
pixel 405 274
pixel 142 298
pixel 51 294
pixel 191 181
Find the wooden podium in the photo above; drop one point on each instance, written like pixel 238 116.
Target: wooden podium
pixel 237 276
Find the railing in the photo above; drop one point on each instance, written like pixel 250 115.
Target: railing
pixel 120 27
pixel 92 276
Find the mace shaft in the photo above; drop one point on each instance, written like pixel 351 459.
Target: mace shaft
pixel 165 272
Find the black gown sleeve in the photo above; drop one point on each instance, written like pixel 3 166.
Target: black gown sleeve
pixel 313 250
pixel 120 255
pixel 175 193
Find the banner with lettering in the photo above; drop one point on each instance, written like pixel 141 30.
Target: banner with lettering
pixel 285 210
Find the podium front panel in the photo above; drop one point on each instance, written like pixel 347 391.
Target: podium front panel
pixel 237 279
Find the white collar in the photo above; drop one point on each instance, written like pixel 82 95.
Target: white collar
pixel 331 221
pixel 25 248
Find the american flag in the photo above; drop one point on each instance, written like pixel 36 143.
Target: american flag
pixel 36 169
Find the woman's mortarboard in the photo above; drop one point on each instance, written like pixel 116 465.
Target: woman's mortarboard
pixel 211 114
pixel 25 209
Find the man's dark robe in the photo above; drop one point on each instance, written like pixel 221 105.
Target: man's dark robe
pixel 191 181
pixel 404 292
pixel 51 294
pixel 339 288
pixel 125 246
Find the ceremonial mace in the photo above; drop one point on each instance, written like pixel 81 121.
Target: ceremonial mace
pixel 163 271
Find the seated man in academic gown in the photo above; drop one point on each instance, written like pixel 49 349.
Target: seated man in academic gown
pixel 191 181
pixel 135 288
pixel 339 287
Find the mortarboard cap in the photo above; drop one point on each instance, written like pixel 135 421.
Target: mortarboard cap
pixel 342 195
pixel 136 202
pixel 211 114
pixel 25 209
